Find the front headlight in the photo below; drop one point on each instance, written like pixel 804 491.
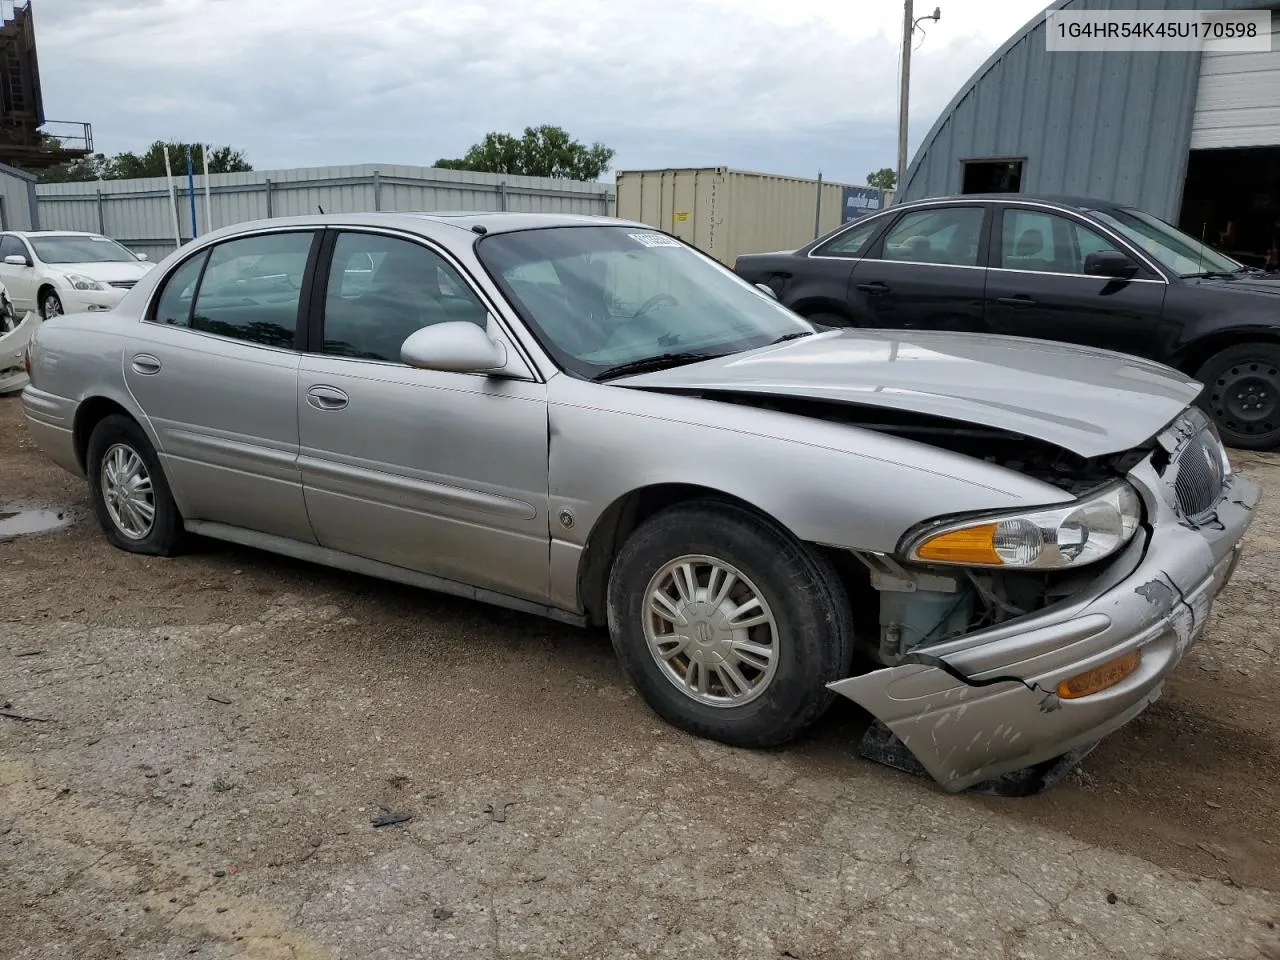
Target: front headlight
pixel 80 282
pixel 1054 538
pixel 1212 429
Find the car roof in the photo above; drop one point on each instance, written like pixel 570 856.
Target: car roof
pixel 1057 200
pixel 52 233
pixel 461 220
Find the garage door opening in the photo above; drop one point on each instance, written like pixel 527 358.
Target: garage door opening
pixel 992 176
pixel 1232 200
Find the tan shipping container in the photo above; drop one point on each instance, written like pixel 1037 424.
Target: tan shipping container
pixel 727 213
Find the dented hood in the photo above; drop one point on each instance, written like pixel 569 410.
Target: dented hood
pixel 1091 402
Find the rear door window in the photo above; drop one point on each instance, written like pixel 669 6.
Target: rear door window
pixel 853 242
pixel 174 306
pixel 252 287
pixel 947 235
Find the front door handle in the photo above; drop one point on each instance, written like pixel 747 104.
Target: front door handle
pixel 1019 301
pixel 146 364
pixel 327 398
pixel 874 287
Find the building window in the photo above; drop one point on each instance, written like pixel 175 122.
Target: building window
pixel 992 176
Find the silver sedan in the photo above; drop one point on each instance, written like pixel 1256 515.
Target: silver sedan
pixel 998 547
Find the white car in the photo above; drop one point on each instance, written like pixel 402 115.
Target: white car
pixel 66 271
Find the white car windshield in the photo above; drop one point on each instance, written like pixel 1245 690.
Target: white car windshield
pixel 1184 255
pixel 601 299
pixel 80 250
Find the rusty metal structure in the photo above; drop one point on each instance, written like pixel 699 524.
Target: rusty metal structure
pixel 24 141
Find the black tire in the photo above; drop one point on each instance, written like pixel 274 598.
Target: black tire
pixel 50 304
pixel 165 532
pixel 808 602
pixel 1242 394
pixel 830 321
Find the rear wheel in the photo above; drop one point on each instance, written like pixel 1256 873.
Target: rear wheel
pixel 728 626
pixel 130 495
pixel 1242 394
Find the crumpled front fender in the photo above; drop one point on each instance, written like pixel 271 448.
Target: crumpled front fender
pixel 975 708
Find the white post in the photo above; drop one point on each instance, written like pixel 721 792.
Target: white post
pixel 173 199
pixel 208 210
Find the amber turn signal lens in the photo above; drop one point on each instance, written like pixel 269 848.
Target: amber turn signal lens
pixel 969 545
pixel 1099 678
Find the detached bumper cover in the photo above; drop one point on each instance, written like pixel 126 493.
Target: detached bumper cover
pixel 986 704
pixel 13 375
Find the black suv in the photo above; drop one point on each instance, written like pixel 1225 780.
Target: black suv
pixel 1084 271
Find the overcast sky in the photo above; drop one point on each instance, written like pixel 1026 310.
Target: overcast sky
pixel 781 86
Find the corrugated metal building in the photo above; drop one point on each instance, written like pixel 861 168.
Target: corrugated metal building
pixel 18 210
pixel 138 212
pixel 1193 139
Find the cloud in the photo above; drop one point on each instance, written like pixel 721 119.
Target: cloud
pixel 751 83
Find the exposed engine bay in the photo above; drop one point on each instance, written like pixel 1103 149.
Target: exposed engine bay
pixel 1018 452
pixel 921 607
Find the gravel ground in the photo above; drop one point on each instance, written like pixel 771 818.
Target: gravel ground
pixel 222 728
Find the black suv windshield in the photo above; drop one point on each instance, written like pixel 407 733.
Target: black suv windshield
pixel 603 299
pixel 1180 253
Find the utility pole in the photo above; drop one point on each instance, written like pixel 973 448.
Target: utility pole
pixel 904 91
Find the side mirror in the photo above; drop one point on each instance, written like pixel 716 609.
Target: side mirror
pixel 1110 264
pixel 142 256
pixel 767 289
pixel 455 346
pixel 17 260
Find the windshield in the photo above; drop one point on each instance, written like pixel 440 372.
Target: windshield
pixel 91 249
pixel 601 297
pixel 1182 254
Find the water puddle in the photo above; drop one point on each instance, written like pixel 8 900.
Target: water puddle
pixel 16 521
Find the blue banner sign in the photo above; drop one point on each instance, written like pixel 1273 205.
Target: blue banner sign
pixel 860 201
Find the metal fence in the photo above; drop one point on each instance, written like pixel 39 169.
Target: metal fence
pixel 138 212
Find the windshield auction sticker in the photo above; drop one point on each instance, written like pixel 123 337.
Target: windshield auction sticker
pixel 1126 30
pixel 654 239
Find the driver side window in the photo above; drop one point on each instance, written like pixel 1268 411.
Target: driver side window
pixel 381 289
pixel 11 246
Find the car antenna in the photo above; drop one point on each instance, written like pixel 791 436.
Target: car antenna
pixel 321 209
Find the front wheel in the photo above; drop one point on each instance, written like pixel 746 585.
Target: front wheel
pixel 129 491
pixel 728 626
pixel 1242 395
pixel 50 305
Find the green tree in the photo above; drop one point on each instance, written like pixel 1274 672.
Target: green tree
pixel 544 151
pixel 149 163
pixel 883 179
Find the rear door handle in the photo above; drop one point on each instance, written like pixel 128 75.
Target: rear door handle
pixel 1016 301
pixel 327 398
pixel 146 364
pixel 874 287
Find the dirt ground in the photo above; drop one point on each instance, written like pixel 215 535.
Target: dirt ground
pixel 221 729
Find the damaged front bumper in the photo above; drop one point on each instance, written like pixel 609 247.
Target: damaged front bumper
pixel 13 373
pixel 973 709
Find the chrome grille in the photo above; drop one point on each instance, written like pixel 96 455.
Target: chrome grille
pixel 1199 476
pixel 124 284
